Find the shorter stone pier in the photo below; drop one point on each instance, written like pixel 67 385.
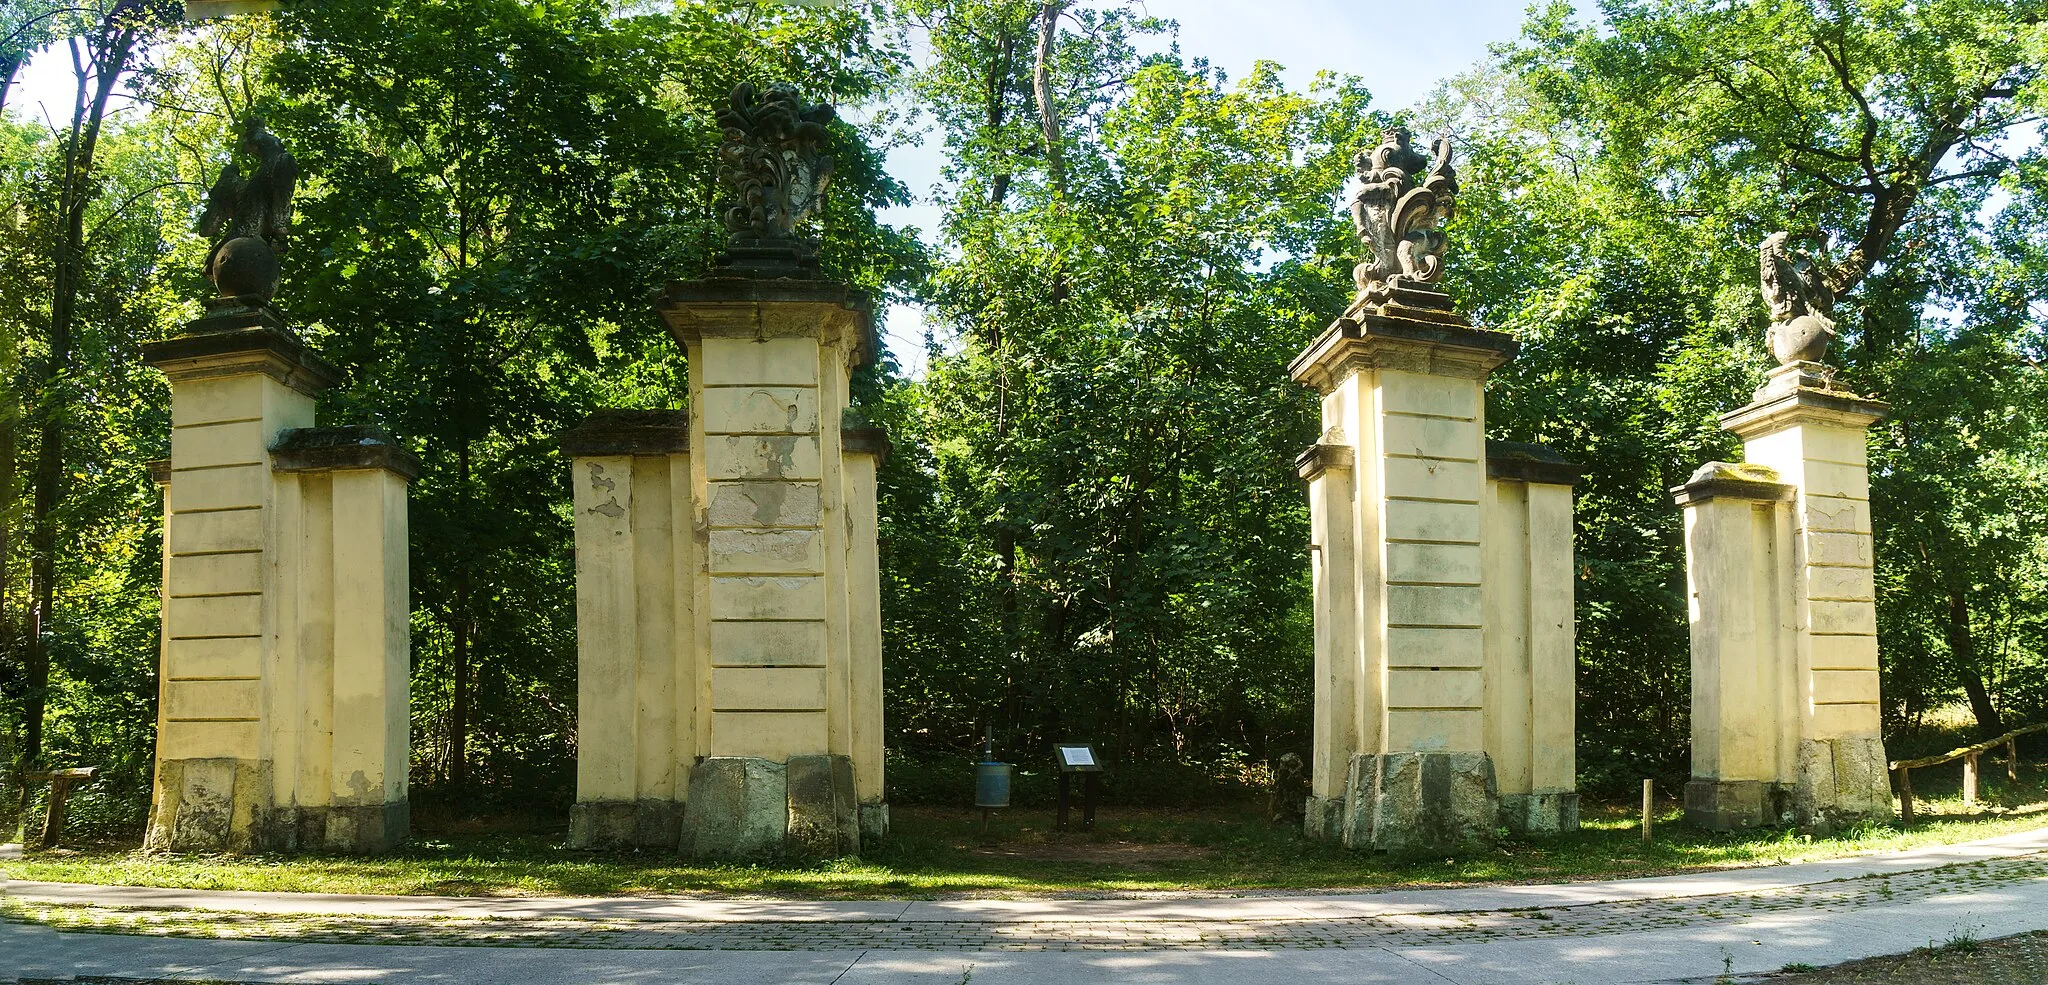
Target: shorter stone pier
pixel 1785 726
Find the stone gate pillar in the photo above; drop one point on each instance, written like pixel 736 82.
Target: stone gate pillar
pixel 1401 756
pixel 1443 583
pixel 783 579
pixel 637 646
pixel 283 716
pixel 1784 618
pixel 728 585
pixel 1531 636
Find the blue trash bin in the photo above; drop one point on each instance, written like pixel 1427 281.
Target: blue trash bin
pixel 991 784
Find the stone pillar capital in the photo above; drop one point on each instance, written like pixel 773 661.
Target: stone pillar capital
pixel 1724 480
pixel 1370 340
pixel 257 347
pixel 1802 393
pixel 749 308
pixel 629 432
pixel 1311 464
pixel 1520 461
pixel 342 449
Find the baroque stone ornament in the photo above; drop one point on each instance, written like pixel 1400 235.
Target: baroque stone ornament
pixel 1405 198
pixel 249 219
pixel 1802 303
pixel 775 164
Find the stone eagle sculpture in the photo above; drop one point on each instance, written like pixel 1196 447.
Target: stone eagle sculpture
pixel 775 164
pixel 1403 200
pixel 1802 304
pixel 249 218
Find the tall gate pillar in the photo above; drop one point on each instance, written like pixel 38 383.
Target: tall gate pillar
pixel 1442 571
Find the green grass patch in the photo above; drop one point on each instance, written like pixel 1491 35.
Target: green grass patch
pixel 939 852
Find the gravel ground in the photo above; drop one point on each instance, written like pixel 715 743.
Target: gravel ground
pixel 2021 960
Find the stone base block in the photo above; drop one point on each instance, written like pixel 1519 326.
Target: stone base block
pixel 625 823
pixel 1842 782
pixel 738 807
pixel 214 805
pixel 741 807
pixel 1421 800
pixel 356 829
pixel 359 829
pixel 824 816
pixel 223 805
pixel 874 821
pixel 1733 805
pixel 1540 813
pixel 1322 818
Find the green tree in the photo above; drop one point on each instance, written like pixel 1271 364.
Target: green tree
pixel 496 190
pixel 1636 166
pixel 103 41
pixel 1138 249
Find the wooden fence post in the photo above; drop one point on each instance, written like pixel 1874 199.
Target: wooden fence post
pixel 1649 806
pixel 1905 796
pixel 2012 760
pixel 1970 780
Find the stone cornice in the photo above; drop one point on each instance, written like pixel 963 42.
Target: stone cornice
pixel 629 432
pixel 254 348
pixel 866 441
pixel 1524 462
pixel 159 470
pixel 1322 458
pixel 751 308
pixel 667 432
pixel 1725 480
pixel 1804 405
pixel 1375 341
pixel 342 449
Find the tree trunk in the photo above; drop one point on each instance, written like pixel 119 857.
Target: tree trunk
pixel 9 65
pixel 458 710
pixel 996 99
pixel 10 415
pixel 110 52
pixel 1962 649
pixel 1041 88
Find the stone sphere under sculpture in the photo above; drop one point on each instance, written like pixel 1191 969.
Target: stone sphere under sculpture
pixel 245 267
pixel 1803 339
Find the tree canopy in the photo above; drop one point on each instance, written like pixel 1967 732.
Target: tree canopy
pixel 1092 527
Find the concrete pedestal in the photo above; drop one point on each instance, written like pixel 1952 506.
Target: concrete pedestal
pixel 1411 668
pixel 1784 618
pixel 728 593
pixel 283 720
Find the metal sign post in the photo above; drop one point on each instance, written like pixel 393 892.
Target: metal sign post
pixel 1081 759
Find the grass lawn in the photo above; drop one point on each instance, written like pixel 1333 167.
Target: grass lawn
pixel 940 852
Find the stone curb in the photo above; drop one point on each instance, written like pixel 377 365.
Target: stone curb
pixel 1317 906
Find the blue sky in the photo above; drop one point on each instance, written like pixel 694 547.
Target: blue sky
pixel 1401 50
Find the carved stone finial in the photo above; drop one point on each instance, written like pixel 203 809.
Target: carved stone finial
pixel 774 165
pixel 1802 303
pixel 1397 213
pixel 249 220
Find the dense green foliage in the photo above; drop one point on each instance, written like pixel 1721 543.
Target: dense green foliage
pixel 1091 525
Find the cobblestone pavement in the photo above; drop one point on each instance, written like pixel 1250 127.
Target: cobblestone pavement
pixel 1591 920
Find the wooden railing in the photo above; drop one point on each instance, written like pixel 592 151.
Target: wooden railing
pixel 1903 769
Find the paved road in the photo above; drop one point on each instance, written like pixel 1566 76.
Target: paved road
pixel 1648 930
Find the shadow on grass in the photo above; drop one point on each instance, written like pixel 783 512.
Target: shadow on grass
pixel 937 852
